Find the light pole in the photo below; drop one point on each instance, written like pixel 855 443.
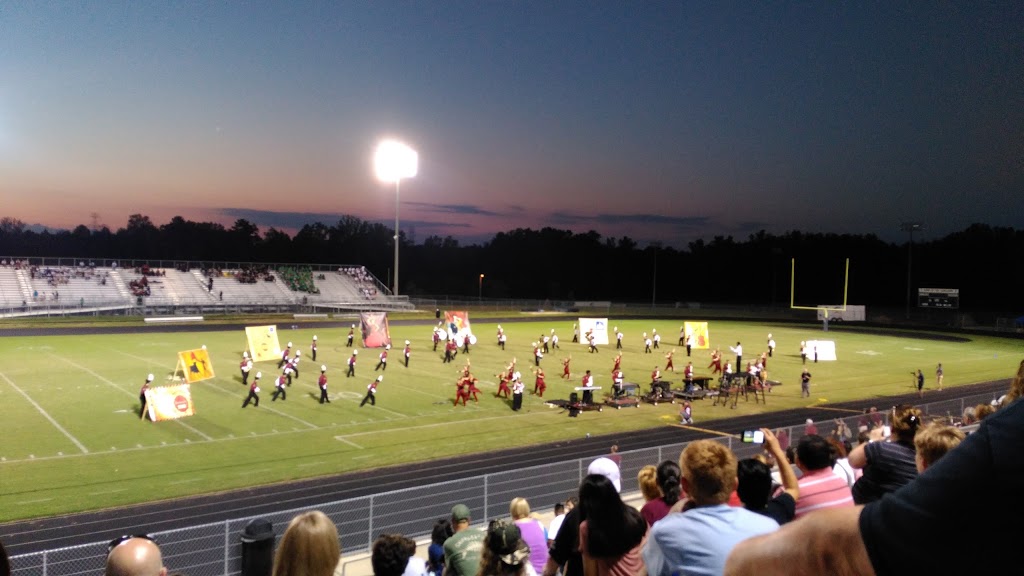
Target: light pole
pixel 480 289
pixel 910 228
pixel 393 161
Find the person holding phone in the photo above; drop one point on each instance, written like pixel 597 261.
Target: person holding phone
pixel 755 482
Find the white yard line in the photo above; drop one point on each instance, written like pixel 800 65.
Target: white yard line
pixel 45 415
pixel 116 387
pixel 349 442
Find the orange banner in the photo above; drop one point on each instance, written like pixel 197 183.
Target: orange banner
pixel 195 365
pixel 699 334
pixel 169 402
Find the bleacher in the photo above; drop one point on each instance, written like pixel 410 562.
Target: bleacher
pixel 71 286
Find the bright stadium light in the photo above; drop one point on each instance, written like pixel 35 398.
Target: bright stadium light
pixel 393 161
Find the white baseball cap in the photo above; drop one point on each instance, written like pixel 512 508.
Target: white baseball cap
pixel 149 378
pixel 608 468
pixel 323 368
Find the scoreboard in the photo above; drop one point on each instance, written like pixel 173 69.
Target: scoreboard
pixel 938 298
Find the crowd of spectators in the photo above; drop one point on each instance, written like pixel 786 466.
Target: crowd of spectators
pixel 298 279
pixel 253 274
pixel 363 280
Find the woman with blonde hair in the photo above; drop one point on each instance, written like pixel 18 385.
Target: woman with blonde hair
pixel 532 532
pixel 309 547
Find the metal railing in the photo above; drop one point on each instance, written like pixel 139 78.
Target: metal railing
pixel 215 548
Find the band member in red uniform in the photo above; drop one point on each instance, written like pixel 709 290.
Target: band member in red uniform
pixel 352 364
pixel 450 349
pixel 371 392
pixel 436 337
pixel 618 362
pixel 688 375
pixel 565 366
pixel 279 388
pixel 588 382
pixel 285 355
pixel 254 391
pixel 407 352
pixel 764 360
pixel 655 375
pixel 292 367
pixel 312 348
pixel 383 363
pixel 503 389
pixel 617 380
pixel 538 385
pixel 472 389
pixel 716 361
pixel 142 395
pixel 351 336
pixel 322 383
pixel 669 367
pixel 245 366
pixel 461 391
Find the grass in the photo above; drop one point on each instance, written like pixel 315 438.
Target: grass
pixel 73 441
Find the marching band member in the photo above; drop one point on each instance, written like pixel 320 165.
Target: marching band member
pixel 371 392
pixel 352 364
pixel 254 391
pixel 539 386
pixel 245 366
pixel 322 383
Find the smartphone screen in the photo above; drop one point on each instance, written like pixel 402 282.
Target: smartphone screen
pixel 753 436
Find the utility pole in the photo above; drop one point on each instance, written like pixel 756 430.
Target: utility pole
pixel 910 228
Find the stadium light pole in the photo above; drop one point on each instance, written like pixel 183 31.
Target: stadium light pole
pixel 480 289
pixel 393 161
pixel 910 228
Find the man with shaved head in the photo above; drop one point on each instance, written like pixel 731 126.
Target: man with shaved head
pixel 134 556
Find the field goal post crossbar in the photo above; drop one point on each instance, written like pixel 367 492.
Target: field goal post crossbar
pixel 823 309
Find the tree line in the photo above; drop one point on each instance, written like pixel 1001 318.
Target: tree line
pixel 985 263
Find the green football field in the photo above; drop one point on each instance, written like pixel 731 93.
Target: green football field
pixel 72 439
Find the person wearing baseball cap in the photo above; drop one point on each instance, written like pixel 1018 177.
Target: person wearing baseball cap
pixel 463 548
pixel 565 552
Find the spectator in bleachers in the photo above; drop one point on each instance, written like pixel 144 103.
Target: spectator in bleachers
pixel 890 463
pixel 820 487
pixel 435 552
pixel 612 533
pixel 841 467
pixel 134 556
pixel 565 554
pixel 667 475
pixel 309 547
pixel 561 510
pixel 933 441
pixel 754 484
pixel 463 549
pixel 532 532
pixel 504 552
pixel 395 555
pixel 699 539
pixel 647 481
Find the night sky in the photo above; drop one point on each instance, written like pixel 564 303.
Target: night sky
pixel 662 121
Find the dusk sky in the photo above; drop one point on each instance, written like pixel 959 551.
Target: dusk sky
pixel 662 121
